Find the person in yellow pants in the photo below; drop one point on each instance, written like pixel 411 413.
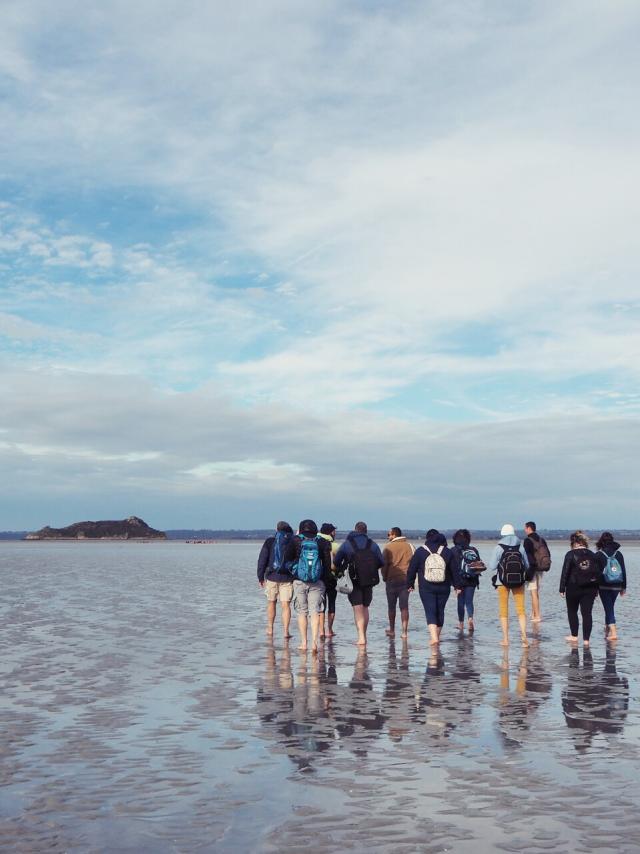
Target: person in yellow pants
pixel 509 542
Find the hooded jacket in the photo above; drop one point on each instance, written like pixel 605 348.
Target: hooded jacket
pixel 416 567
pixel 610 550
pixel 510 540
pixel 265 561
pixel 459 544
pixel 345 553
pixel 568 577
pixel 397 556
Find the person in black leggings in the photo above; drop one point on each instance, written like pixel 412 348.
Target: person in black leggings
pixel 579 585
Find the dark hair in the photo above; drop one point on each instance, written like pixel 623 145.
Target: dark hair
pixel 531 525
pixel 328 528
pixel 462 537
pixel 284 526
pixel 308 528
pixel 579 538
pixel 395 531
pixel 606 539
pixel 360 527
pixel 431 533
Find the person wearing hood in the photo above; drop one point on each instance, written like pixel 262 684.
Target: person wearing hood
pixel 361 558
pixel 614 580
pixel 579 581
pixel 509 548
pixel 432 564
pixel 464 585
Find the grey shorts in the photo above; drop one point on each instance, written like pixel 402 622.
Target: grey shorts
pixel 308 597
pixel 398 593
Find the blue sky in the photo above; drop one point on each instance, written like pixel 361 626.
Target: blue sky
pixel 340 259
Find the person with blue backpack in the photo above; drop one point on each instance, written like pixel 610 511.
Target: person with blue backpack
pixel 613 580
pixel 310 558
pixel 275 577
pixel 467 568
pixel 432 563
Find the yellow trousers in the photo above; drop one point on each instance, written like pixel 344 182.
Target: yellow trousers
pixel 518 599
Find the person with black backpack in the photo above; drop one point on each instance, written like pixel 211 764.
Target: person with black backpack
pixel 539 562
pixel 613 581
pixel 510 562
pixel 579 581
pixel 275 576
pixel 362 559
pixel 431 563
pixel 467 568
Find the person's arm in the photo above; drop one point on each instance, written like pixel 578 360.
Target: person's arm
pixel 413 568
pixel 455 564
pixel 325 555
pixel 566 569
pixel 341 559
pixel 495 559
pixel 386 562
pixel 378 554
pixel 525 559
pixel 263 560
pixel 624 573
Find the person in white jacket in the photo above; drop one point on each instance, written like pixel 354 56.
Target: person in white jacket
pixel 510 563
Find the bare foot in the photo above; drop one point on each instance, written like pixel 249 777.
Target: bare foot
pixel 302 648
pixel 612 637
pixel 434 643
pixel 322 637
pixel 585 643
pixel 525 642
pixel 330 634
pixel 361 643
pixel 389 633
pixel 472 627
pixel 269 633
pixel 571 639
pixel 504 643
pixel 460 627
pixel 536 619
pixel 287 637
pixel 404 635
pixel 314 650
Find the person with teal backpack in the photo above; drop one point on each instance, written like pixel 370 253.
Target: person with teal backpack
pixel 612 582
pixel 310 558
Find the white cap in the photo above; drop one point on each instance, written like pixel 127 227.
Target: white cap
pixel 507 531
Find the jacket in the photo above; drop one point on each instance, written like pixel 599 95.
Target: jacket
pixel 456 565
pixel 344 555
pixel 332 582
pixel 511 540
pixel 568 578
pixel 601 557
pixel 397 556
pixel 416 567
pixel 292 553
pixel 265 560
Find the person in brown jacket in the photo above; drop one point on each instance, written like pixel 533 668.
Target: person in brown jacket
pixel 397 555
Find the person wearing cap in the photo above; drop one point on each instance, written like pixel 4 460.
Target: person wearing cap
pixel 328 532
pixel 308 596
pixel 508 538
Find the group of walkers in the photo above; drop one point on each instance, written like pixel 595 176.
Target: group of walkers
pixel 310 569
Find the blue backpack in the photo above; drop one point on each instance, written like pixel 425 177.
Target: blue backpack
pixel 309 565
pixel 612 572
pixel 280 543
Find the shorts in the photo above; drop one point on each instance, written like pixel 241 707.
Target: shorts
pixel 397 592
pixel 536 581
pixel 308 597
pixel 282 590
pixel 361 595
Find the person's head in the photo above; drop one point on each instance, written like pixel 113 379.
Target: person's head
pixel 579 540
pixel 285 527
pixel 329 529
pixel 530 527
pixel 507 530
pixel 360 527
pixel 462 537
pixel 308 528
pixel 393 533
pixel 605 539
pixel 431 533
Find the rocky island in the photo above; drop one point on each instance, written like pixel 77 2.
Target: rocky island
pixel 132 528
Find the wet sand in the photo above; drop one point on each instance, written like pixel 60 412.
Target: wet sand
pixel 143 709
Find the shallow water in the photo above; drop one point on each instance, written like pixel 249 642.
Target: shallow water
pixel 143 710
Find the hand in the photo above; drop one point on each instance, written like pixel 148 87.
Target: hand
pixel 411 590
pixel 623 592
pixel 562 594
pixel 261 583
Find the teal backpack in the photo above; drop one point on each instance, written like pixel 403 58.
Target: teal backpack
pixel 309 565
pixel 612 573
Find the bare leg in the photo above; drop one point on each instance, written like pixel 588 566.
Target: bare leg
pixel 331 618
pixel 433 633
pixel 390 632
pixel 522 619
pixel 535 606
pixel 285 607
pixel 504 624
pixel 302 628
pixel 404 616
pixel 315 628
pixel 321 625
pixel 271 616
pixel 361 621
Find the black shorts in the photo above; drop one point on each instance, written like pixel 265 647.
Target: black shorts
pixel 361 595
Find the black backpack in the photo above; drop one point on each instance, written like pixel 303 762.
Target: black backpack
pixel 364 565
pixel 511 569
pixel 586 571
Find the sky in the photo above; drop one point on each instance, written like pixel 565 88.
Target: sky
pixel 342 260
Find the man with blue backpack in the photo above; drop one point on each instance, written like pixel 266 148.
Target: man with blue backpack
pixel 310 559
pixel 275 576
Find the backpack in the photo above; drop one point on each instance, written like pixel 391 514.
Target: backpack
pixel 612 572
pixel 541 554
pixel 308 567
pixel 364 565
pixel 470 563
pixel 586 570
pixel 511 569
pixel 280 543
pixel 435 569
